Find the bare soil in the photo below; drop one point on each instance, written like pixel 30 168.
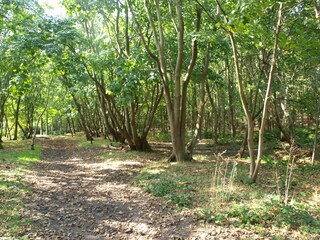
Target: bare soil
pixel 76 195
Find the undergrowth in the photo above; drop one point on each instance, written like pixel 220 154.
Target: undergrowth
pixel 220 192
pixel 14 162
pixel 169 181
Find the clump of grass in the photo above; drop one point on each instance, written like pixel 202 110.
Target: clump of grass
pixel 96 143
pixel 162 137
pixel 14 162
pixel 223 180
pixel 168 180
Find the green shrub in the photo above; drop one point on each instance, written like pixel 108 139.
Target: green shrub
pixel 304 136
pixel 293 217
pixel 268 210
pixel 162 137
pixel 206 134
pixel 182 200
pixel 161 187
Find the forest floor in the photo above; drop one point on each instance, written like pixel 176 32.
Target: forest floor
pixel 77 195
pixel 80 190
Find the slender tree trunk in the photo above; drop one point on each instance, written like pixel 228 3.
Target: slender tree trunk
pixel 244 144
pixel 248 114
pixel 230 95
pixel 82 119
pixel 16 118
pixel 267 95
pixel 7 128
pixel 40 116
pixel 197 132
pixel 41 126
pixel 215 113
pixel 284 134
pixel 315 141
pixel 134 131
pixel 2 113
pixel 70 126
pixel 317 8
pixel 290 123
pixel 47 123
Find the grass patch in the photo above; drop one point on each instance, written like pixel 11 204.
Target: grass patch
pixel 98 143
pixel 161 137
pixel 223 194
pixel 14 162
pixel 173 182
pixel 121 155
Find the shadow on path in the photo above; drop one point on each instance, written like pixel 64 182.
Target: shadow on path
pixel 76 195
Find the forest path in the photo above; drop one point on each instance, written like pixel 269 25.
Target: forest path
pixel 76 195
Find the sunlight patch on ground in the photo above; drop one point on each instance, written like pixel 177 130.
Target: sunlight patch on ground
pixel 109 165
pixel 316 196
pixel 112 186
pixel 75 159
pixel 143 228
pixel 105 188
pixel 47 183
pixel 155 171
pixel 93 178
pixel 138 228
pixel 203 158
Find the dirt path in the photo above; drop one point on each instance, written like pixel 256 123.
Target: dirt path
pixel 77 196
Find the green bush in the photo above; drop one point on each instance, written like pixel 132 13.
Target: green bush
pixel 161 187
pixel 182 200
pixel 293 217
pixel 174 188
pixel 163 137
pixel 206 134
pixel 304 136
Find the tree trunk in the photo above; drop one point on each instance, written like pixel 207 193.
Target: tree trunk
pixel 2 103
pixel 82 119
pixel 230 95
pixel 41 114
pixel 315 141
pixel 176 106
pixel 289 120
pixel 47 123
pixel 317 8
pixel 244 144
pixel 215 113
pixel 250 128
pixel 284 135
pixel 197 132
pixel 16 119
pixel 267 95
pixel 248 114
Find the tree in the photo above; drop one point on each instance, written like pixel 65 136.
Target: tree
pixel 15 51
pixel 174 84
pixel 239 26
pixel 124 78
